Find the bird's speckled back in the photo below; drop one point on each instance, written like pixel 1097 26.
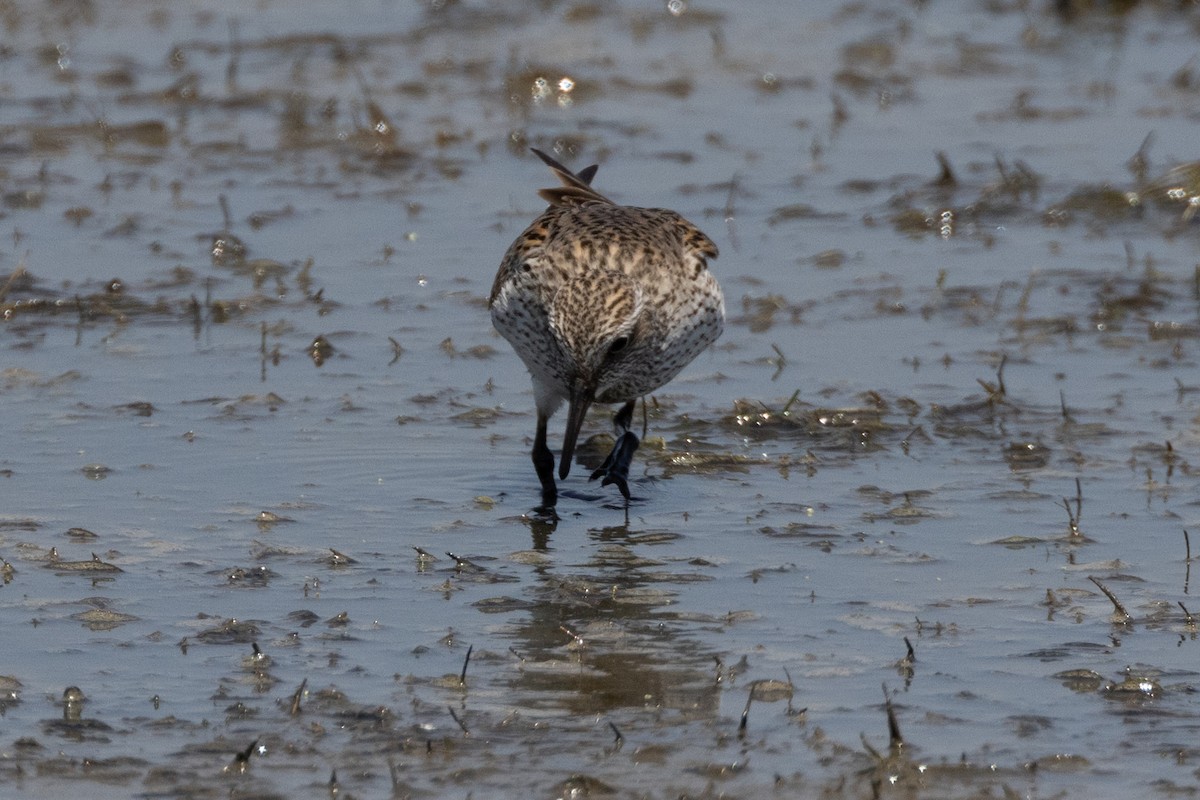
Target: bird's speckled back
pixel 589 272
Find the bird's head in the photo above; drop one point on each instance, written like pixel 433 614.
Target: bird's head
pixel 596 319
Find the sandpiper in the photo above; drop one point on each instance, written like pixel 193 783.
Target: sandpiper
pixel 604 303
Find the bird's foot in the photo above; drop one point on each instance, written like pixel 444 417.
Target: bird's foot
pixel 615 468
pixel 546 514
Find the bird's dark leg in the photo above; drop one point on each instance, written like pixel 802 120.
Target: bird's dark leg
pixel 543 462
pixel 615 468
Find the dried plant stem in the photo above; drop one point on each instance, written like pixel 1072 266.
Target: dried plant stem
pixel 1125 615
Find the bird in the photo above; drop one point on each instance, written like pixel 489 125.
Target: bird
pixel 604 303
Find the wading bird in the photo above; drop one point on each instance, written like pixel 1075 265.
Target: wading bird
pixel 604 303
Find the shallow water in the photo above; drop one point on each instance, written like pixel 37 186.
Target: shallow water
pixel 940 407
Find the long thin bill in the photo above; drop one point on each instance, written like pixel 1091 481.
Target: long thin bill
pixel 577 409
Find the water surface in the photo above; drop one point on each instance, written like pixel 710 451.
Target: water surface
pixel 247 366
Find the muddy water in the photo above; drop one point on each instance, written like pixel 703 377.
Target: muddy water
pixel 267 497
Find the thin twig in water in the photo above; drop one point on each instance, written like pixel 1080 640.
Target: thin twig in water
pixel 241 759
pixel 995 391
pixel 745 715
pixel 1187 615
pixel 945 176
pixel 1072 522
pixel 1125 616
pixel 781 363
pixel 294 709
pixel 1187 544
pixel 262 354
pixel 461 724
pixel 1139 163
pixel 788 404
pixel 197 317
pixel 895 740
pixel 225 215
pixel 618 739
pixel 462 678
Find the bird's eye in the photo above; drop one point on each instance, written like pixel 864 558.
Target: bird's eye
pixel 619 344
